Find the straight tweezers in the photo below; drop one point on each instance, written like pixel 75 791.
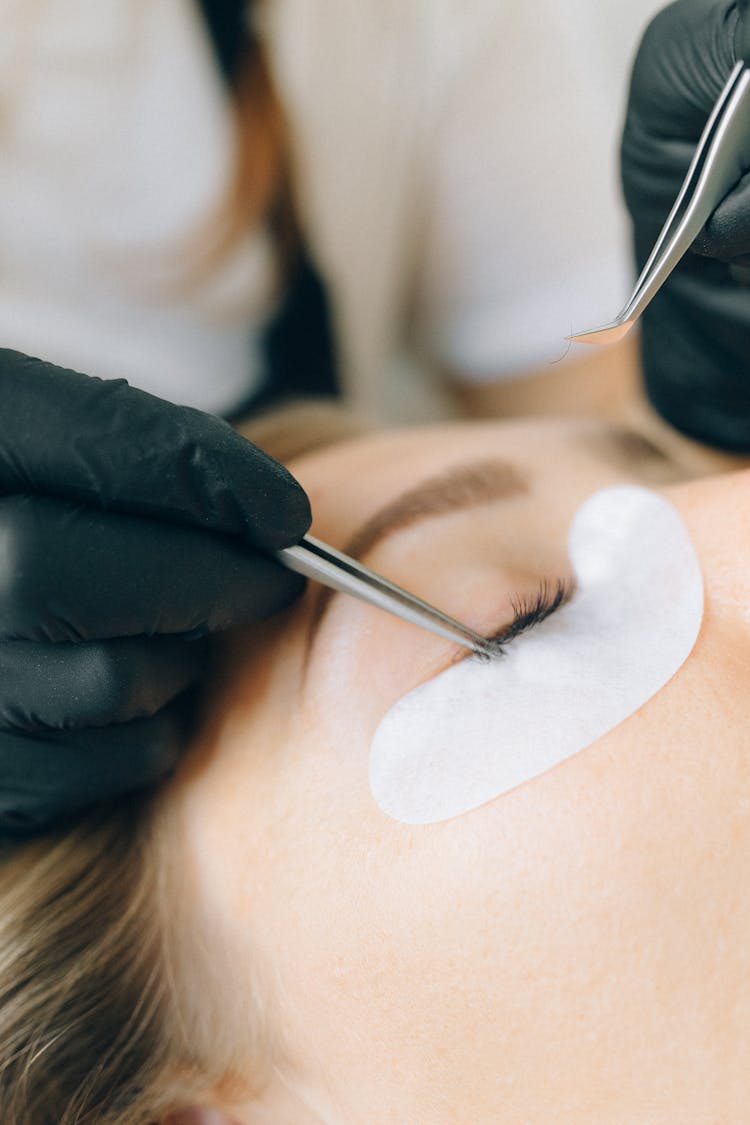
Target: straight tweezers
pixel 333 568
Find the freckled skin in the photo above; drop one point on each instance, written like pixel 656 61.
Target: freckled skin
pixel 574 952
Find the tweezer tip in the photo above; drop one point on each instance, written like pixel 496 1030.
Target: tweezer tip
pixel 489 650
pixel 607 334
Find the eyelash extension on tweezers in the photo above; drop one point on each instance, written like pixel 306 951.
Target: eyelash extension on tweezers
pixel 528 612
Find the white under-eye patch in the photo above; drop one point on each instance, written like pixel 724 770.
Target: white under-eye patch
pixel 479 729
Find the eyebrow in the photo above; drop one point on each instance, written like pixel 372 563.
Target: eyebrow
pixel 465 486
pixel 624 446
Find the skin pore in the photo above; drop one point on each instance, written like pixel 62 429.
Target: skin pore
pixel 574 951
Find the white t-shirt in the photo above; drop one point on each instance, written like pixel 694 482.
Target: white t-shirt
pixel 459 165
pixel 455 160
pixel 116 150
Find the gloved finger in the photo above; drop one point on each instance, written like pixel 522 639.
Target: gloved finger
pixel 46 778
pixel 726 235
pixel 652 173
pixel 683 62
pixel 70 573
pixel 112 446
pixel 742 33
pixel 73 686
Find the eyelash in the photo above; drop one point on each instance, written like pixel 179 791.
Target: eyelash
pixel 530 611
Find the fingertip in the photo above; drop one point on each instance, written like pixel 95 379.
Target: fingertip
pixel 742 31
pixel 297 517
pixel 286 510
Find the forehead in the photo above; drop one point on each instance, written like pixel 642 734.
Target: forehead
pixel 348 481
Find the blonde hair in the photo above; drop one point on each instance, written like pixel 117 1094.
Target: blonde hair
pixel 301 426
pixel 82 1004
pixel 113 1006
pixel 112 1009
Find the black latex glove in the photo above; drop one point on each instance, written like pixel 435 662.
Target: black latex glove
pixel 128 529
pixel 696 331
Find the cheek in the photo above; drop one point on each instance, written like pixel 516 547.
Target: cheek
pixel 518 950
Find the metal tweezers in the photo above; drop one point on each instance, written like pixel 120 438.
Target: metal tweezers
pixel 317 560
pixel 715 168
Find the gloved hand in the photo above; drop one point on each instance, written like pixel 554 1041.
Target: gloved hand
pixel 696 331
pixel 128 531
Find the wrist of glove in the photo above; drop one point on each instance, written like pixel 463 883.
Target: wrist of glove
pixel 696 331
pixel 130 529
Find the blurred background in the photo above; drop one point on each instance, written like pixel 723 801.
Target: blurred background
pixel 407 204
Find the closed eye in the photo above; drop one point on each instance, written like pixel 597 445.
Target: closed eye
pixel 528 612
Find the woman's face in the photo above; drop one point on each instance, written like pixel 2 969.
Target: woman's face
pixel 575 950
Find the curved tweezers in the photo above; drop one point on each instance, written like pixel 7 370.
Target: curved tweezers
pixel 714 170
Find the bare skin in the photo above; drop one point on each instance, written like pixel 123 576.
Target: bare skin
pixel 590 382
pixel 587 382
pixel 573 952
